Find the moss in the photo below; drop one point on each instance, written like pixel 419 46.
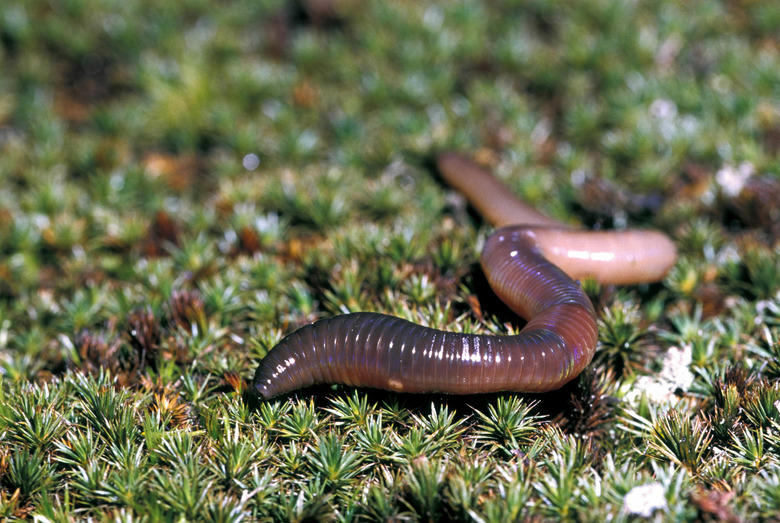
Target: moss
pixel 182 183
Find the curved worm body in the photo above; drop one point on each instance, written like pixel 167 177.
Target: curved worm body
pixel 529 268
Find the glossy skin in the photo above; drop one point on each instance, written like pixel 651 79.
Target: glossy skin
pixel 530 267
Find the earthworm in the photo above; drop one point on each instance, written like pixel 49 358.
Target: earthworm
pixel 531 262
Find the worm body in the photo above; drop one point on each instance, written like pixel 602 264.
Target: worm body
pixel 530 267
pixel 488 195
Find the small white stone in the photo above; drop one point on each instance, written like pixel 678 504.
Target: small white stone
pixel 675 375
pixel 645 499
pixel 663 109
pixel 251 162
pixel 732 179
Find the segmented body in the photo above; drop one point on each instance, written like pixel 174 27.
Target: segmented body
pixel 530 267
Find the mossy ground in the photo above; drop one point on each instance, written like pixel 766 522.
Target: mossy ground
pixel 181 183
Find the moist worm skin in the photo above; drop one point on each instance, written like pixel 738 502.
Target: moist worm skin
pixel 529 268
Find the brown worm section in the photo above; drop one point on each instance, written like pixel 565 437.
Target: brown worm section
pixel 529 266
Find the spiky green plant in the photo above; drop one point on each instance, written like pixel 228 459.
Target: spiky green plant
pixel 182 489
pixel 425 488
pixel 681 440
pixel 30 472
pixel 182 184
pixel 235 455
pixel 106 409
pixel 509 425
pixel 466 485
pixel 302 424
pixel 334 463
pixel 353 411
pixel 509 498
pixel 32 423
pixel 748 451
pixel 621 339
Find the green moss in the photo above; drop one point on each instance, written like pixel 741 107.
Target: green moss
pixel 183 183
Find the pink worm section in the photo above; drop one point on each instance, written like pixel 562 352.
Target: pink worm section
pixel 532 267
pixel 618 257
